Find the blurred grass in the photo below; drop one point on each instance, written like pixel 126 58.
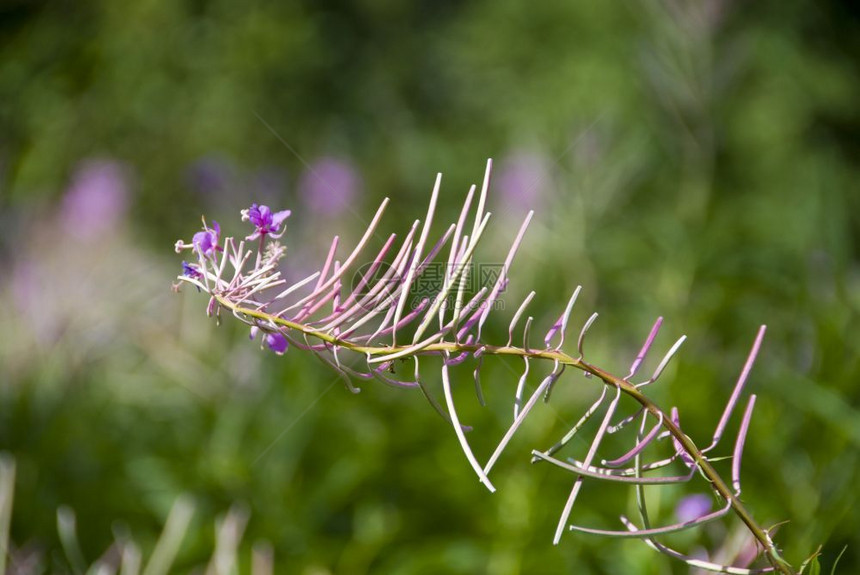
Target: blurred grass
pixel 694 160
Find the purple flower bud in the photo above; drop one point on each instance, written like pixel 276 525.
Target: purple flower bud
pixel 190 271
pixel 692 507
pixel 329 186
pixel 277 342
pixel 206 241
pixel 265 222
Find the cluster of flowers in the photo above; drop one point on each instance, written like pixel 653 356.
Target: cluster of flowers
pixel 205 244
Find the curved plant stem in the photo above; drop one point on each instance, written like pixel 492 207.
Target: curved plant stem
pixel 442 348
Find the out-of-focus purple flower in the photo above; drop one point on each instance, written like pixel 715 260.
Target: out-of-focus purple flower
pixel 277 342
pixel 206 241
pixel 265 222
pixel 692 507
pixel 748 553
pixel 523 180
pixel 209 176
pixel 269 183
pixel 97 199
pixel 329 186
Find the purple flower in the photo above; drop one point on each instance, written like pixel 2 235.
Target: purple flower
pixel 206 241
pixel 523 180
pixel 329 186
pixel 97 199
pixel 277 342
pixel 191 271
pixel 692 507
pixel 265 222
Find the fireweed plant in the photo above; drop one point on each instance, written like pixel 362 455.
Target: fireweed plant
pixel 376 321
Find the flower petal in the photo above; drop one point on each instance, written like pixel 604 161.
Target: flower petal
pixel 278 218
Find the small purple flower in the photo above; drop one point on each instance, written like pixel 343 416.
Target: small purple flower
pixel 191 271
pixel 265 222
pixel 277 342
pixel 692 507
pixel 206 241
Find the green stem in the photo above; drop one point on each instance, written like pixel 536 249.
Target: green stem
pixel 770 551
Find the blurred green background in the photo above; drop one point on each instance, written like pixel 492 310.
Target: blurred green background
pixel 695 160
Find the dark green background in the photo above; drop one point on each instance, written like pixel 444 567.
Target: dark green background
pixel 698 161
